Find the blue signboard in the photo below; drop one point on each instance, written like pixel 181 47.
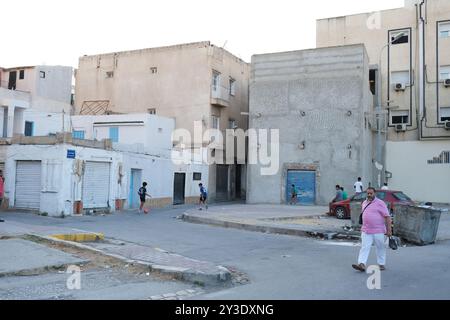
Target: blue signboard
pixel 305 182
pixel 70 154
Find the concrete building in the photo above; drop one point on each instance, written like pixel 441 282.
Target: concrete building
pixel 320 101
pixel 187 82
pixel 35 101
pixel 142 138
pixel 409 57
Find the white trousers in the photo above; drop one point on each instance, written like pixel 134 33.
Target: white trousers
pixel 367 241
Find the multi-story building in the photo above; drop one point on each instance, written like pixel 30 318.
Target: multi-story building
pixel 191 83
pixel 35 101
pixel 409 52
pixel 321 104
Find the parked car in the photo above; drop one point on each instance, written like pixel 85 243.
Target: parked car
pixel 341 209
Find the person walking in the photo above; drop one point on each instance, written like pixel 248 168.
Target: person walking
pixel 358 186
pixel 377 224
pixel 294 195
pixel 142 195
pixel 203 197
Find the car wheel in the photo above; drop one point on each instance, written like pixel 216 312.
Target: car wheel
pixel 340 213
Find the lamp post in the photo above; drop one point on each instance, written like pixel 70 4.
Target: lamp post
pixel 379 164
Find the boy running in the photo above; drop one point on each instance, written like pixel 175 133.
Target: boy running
pixel 203 197
pixel 142 194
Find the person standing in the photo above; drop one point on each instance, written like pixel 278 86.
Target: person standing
pixel 2 189
pixel 142 195
pixel 385 187
pixel 377 224
pixel 358 186
pixel 294 195
pixel 203 196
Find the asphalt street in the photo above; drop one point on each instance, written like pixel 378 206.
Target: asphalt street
pixel 278 267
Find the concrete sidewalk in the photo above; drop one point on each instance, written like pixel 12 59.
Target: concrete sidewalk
pixel 287 220
pixel 19 257
pixel 156 259
pixel 278 219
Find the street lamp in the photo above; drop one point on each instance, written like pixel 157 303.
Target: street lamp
pixel 378 110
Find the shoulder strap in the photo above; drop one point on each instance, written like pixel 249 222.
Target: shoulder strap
pixel 367 206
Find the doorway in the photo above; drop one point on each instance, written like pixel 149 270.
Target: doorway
pixel 179 188
pixel 135 184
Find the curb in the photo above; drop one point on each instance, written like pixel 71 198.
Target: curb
pixel 80 237
pixel 184 274
pixel 269 229
pixel 34 271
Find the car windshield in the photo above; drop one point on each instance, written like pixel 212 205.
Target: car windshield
pixel 381 195
pixel 401 196
pixel 359 196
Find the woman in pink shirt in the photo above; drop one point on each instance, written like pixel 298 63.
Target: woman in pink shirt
pixel 376 225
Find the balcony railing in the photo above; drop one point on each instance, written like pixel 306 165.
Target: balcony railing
pixel 220 96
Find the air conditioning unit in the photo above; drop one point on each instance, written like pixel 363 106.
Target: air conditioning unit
pixel 447 83
pixel 400 127
pixel 400 87
pixel 447 125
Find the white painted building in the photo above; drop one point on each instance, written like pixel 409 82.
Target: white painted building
pixel 35 101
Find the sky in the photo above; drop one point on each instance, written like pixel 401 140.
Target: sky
pixel 58 32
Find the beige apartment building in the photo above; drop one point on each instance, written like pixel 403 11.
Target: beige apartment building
pixel 409 52
pixel 195 82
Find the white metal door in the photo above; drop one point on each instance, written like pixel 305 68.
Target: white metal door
pixel 28 185
pixel 96 185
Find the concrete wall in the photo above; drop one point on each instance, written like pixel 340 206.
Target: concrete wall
pixel 329 86
pixel 418 179
pixel 374 31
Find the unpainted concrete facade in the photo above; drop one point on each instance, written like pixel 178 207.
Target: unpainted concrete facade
pixel 319 100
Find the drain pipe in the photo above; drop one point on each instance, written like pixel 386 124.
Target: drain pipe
pixel 421 26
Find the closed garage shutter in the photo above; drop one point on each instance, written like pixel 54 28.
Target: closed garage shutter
pixel 96 185
pixel 28 185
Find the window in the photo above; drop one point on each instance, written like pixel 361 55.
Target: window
pixel 444 73
pixel 110 74
pixel 444 30
pixel 114 134
pixel 29 126
pixel 399 117
pixel 232 124
pixel 232 87
pixel 400 40
pixel 381 195
pixel 22 74
pixel 444 114
pixel 154 70
pixel 42 74
pixel 401 196
pixel 216 80
pixel 400 77
pixel 152 111
pixel 197 176
pixel 78 134
pixel 359 197
pixel 215 122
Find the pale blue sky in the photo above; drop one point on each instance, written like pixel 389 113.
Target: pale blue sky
pixel 57 32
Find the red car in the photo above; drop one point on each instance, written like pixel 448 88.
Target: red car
pixel 341 209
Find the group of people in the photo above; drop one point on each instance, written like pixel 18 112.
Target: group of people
pixel 358 187
pixel 142 192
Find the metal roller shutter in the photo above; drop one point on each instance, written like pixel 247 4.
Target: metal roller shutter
pixel 28 185
pixel 96 185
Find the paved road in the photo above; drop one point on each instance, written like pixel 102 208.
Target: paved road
pixel 279 267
